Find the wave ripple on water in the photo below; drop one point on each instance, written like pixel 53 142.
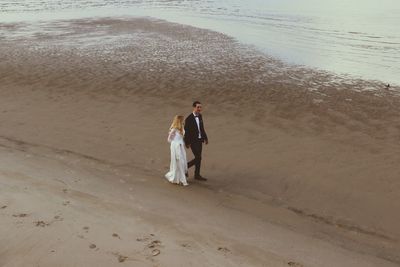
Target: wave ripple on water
pixel 345 37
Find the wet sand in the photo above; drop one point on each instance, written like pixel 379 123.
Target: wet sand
pixel 302 165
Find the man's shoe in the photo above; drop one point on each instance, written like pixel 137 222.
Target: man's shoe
pixel 200 178
pixel 186 174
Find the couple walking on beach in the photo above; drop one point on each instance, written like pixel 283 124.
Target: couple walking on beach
pixel 190 133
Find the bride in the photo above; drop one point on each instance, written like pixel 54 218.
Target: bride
pixel 178 167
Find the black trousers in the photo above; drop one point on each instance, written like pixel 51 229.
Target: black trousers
pixel 197 147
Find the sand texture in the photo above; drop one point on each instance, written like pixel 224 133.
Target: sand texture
pixel 302 165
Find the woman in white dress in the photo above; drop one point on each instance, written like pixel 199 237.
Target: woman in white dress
pixel 178 167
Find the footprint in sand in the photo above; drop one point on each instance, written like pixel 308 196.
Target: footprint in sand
pixel 224 250
pixel 41 224
pixel 295 264
pixel 21 215
pixel 58 218
pixel 86 228
pixel 121 258
pixel 154 245
pixel 65 203
pixel 3 207
pixel 116 235
pixel 155 252
pixel 92 246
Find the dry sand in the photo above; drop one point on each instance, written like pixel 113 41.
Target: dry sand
pixel 302 165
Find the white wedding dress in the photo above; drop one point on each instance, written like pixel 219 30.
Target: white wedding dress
pixel 178 166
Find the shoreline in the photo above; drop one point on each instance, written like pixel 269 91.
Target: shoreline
pixel 353 79
pixel 319 162
pixel 358 59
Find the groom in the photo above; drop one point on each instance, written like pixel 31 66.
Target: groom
pixel 195 136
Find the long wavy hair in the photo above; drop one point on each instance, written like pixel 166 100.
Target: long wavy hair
pixel 178 123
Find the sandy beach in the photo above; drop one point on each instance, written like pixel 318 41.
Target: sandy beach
pixel 302 165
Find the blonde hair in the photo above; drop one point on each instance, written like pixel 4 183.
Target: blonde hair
pixel 177 123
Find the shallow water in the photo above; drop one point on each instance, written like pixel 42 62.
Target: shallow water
pixel 359 38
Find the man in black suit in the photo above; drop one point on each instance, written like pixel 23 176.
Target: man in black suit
pixel 195 136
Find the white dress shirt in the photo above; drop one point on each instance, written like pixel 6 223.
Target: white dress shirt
pixel 198 123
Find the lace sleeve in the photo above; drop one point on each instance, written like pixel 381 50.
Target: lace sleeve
pixel 171 135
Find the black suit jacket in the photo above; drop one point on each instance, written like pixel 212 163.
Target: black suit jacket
pixel 192 131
